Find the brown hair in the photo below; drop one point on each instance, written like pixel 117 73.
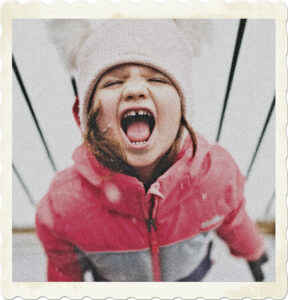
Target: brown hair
pixel 108 152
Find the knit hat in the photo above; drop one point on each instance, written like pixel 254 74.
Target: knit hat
pixel 156 43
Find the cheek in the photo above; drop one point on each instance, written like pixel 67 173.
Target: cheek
pixel 171 110
pixel 107 114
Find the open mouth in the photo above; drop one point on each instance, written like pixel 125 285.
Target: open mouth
pixel 138 125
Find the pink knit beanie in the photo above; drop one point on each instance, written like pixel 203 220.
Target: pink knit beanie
pixel 156 43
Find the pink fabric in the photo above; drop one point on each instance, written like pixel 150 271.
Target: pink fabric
pixel 94 210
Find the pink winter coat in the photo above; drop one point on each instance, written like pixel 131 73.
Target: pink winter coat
pixel 90 215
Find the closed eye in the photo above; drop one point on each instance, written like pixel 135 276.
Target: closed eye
pixel 160 80
pixel 111 83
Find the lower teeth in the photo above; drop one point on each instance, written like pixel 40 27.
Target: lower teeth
pixel 139 143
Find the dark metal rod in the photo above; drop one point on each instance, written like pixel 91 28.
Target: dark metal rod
pixel 74 86
pixel 26 190
pixel 20 81
pixel 261 136
pixel 241 29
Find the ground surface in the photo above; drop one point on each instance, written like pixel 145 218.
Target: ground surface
pixel 29 261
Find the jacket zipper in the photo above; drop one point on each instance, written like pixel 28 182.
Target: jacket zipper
pixel 153 239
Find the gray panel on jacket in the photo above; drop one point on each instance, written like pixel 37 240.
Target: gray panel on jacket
pixel 181 259
pixel 177 261
pixel 123 266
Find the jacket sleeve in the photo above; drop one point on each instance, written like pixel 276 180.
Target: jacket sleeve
pixel 62 260
pixel 241 234
pixel 238 230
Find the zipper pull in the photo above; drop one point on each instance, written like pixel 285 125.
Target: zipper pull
pixel 151 226
pixel 151 223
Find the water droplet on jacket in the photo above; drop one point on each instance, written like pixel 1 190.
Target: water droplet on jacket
pixel 112 192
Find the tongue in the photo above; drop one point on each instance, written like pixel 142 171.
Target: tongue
pixel 138 131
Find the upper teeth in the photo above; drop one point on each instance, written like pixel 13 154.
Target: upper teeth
pixel 136 112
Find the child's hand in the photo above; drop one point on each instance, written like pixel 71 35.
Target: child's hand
pixel 255 267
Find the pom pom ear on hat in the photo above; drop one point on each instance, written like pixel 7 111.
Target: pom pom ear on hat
pixel 197 31
pixel 68 36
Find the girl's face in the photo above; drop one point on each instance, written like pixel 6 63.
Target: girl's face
pixel 141 110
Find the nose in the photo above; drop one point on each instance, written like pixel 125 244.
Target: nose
pixel 135 91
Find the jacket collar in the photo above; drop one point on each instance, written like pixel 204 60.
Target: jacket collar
pixel 126 195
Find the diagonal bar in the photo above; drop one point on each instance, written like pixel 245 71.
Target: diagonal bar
pixel 241 29
pixel 26 190
pixel 261 137
pixel 73 81
pixel 20 81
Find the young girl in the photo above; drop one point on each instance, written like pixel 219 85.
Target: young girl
pixel 141 201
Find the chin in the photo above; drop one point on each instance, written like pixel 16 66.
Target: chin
pixel 142 162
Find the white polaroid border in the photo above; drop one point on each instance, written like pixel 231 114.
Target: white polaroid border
pixel 143 290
